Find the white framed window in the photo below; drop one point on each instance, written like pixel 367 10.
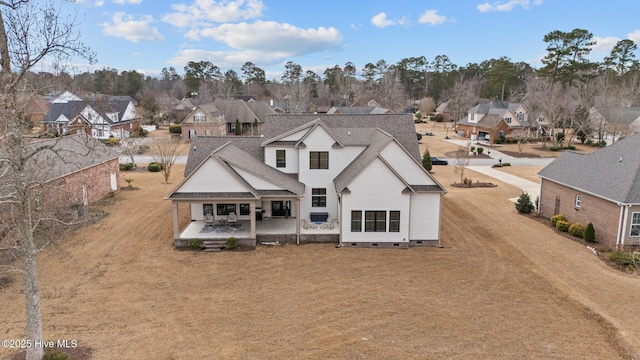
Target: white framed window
pixel 507 120
pixel 578 200
pixel 199 118
pixel 635 224
pixel 473 117
pixel 520 116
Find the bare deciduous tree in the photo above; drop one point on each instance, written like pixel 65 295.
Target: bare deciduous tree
pixel 462 162
pixel 30 32
pixel 521 136
pixel 165 152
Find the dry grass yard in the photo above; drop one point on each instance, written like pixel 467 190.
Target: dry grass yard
pixel 502 287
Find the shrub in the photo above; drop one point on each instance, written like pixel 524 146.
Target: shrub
pixel 238 129
pixel 555 148
pixel 154 167
pixel 426 161
pixel 571 147
pixel 232 243
pixel 126 166
pixel 623 258
pixel 506 164
pixel 524 204
pixel 577 230
pixel 557 217
pixel 194 244
pixel 480 150
pixel 537 202
pixel 590 233
pixel 497 165
pixel 419 136
pixel 143 149
pixel 439 118
pixel 113 141
pixel 56 355
pixel 472 148
pixel 175 129
pixel 562 225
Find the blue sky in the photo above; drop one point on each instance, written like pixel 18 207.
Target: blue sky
pixel 148 35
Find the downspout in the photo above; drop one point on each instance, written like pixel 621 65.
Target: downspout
pixel 620 220
pixel 624 223
pixel 298 220
pixel 340 219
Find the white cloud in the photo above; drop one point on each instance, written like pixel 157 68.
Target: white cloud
pixel 122 2
pixel 509 5
pixel 99 3
pixel 225 59
pixel 272 37
pixel 127 27
pixel 635 36
pixel 604 45
pixel 431 17
pixel 381 20
pixel 209 11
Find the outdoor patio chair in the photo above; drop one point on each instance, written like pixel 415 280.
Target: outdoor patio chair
pixel 307 225
pixel 232 218
pixel 208 219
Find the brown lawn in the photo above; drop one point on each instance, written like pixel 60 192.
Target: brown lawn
pixel 502 287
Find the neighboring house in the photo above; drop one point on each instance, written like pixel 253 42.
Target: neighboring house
pixel 81 170
pixel 602 188
pixel 219 118
pixel 320 105
pixel 359 175
pixel 499 118
pixel 101 117
pixel 351 110
pixel 444 110
pixel 611 123
pixel 37 109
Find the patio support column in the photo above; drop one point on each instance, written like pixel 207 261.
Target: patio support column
pixel 174 210
pixel 298 219
pixel 252 211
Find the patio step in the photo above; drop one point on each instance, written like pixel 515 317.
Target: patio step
pixel 213 245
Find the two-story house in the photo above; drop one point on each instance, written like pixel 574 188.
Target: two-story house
pixel 489 121
pixel 219 118
pixel 101 117
pixel 356 180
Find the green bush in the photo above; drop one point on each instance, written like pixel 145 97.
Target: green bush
pixel 154 167
pixel 175 129
pixel 555 148
pixel 562 226
pixel 232 243
pixel 590 233
pixel 194 244
pixel 557 217
pixel 56 355
pixel 623 258
pixel 524 204
pixel 577 230
pixel 426 161
pixel 480 150
pixel 497 165
pixel 506 164
pixel 419 136
pixel 126 166
pixel 439 118
pixel 571 147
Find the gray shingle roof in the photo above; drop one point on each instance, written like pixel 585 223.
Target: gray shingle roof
pixel 612 172
pixel 233 155
pixel 377 143
pixel 400 126
pixel 72 109
pixel 202 146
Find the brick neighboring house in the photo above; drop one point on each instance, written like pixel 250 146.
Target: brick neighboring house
pixel 219 118
pixel 602 188
pixel 80 170
pixel 100 117
pixel 499 118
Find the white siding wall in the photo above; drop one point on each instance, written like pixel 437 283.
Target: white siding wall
pixel 320 140
pixel 257 182
pixel 130 113
pixel 376 188
pixel 212 177
pixel 405 166
pixel 291 158
pixel 425 217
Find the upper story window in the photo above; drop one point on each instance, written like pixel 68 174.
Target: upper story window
pixel 473 116
pixel 199 118
pixel 541 119
pixel 507 120
pixel 318 160
pixel 520 116
pixel 318 197
pixel 578 200
pixel 635 224
pixel 281 158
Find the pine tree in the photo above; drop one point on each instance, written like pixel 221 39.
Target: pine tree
pixel 590 233
pixel 524 204
pixel 426 161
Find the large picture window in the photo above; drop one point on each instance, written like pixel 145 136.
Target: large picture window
pixel 281 158
pixel 318 160
pixel 375 221
pixel 635 224
pixel 245 209
pixel 318 197
pixel 207 209
pixel 394 221
pixel 356 221
pixel 225 209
